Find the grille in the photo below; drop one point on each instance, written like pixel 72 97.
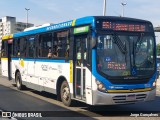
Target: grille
pixel 131 98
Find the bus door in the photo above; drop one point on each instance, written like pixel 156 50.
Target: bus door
pixel 9 50
pixel 80 66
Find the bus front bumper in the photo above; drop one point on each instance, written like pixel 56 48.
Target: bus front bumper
pixel 100 98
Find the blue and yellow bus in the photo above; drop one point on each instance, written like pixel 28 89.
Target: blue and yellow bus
pixel 99 60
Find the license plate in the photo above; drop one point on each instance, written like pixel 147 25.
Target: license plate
pixel 131 97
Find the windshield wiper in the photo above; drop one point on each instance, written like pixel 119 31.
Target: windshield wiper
pixel 138 41
pixel 137 47
pixel 120 45
pixel 133 53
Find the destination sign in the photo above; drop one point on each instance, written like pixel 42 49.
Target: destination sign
pixel 123 26
pixel 131 26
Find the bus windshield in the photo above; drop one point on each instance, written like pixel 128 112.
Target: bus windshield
pixel 125 54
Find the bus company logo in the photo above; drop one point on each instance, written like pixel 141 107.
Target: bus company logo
pixel 44 67
pixel 112 87
pixel 61 25
pixel 131 90
pixel 147 85
pixel 116 87
pixel 6 114
pixel 47 68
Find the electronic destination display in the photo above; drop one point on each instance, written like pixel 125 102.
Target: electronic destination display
pixel 124 26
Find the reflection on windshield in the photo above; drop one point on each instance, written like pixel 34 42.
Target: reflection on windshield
pixel 118 55
pixel 144 53
pixel 112 55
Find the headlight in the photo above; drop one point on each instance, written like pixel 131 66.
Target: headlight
pixel 154 85
pixel 100 86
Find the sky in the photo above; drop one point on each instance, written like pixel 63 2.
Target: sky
pixel 55 11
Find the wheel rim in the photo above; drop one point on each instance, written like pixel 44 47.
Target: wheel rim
pixel 18 81
pixel 65 94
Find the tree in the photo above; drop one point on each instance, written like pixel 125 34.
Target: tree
pixel 158 49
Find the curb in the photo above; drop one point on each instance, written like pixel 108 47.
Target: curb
pixel 158 88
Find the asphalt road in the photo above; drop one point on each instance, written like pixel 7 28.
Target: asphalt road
pixel 15 101
pixel 31 101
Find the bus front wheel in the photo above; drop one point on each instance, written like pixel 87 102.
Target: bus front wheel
pixel 65 94
pixel 19 81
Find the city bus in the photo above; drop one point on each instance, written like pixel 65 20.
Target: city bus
pixel 98 60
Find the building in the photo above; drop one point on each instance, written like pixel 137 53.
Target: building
pixel 20 26
pixel 9 25
pixel 157 29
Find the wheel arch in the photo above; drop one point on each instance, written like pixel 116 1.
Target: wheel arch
pixel 15 74
pixel 58 85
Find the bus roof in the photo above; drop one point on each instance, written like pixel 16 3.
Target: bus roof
pixel 71 23
pixel 121 18
pixel 63 25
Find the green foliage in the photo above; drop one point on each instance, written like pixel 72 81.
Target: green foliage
pixel 158 49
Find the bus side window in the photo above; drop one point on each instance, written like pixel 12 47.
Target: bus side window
pixel 14 48
pixel 4 48
pixel 31 46
pixel 62 43
pixel 18 47
pixel 23 47
pixel 49 53
pixel 67 52
pixel 39 44
pixel 45 43
pixel 2 52
pixel 18 53
pixel 55 51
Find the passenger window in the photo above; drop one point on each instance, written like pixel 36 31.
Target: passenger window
pixel 61 44
pixel 4 49
pixel 23 47
pixel 31 46
pixel 16 47
pixel 45 45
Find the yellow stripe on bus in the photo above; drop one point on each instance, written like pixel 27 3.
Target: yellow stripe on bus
pixel 128 91
pixel 73 22
pixel 4 58
pixel 7 37
pixel 71 71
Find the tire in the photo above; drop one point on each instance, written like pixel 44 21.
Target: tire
pixel 65 94
pixel 18 81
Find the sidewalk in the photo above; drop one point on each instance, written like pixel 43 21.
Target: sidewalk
pixel 158 84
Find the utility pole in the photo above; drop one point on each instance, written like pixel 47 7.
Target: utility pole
pixel 104 8
pixel 27 9
pixel 123 4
